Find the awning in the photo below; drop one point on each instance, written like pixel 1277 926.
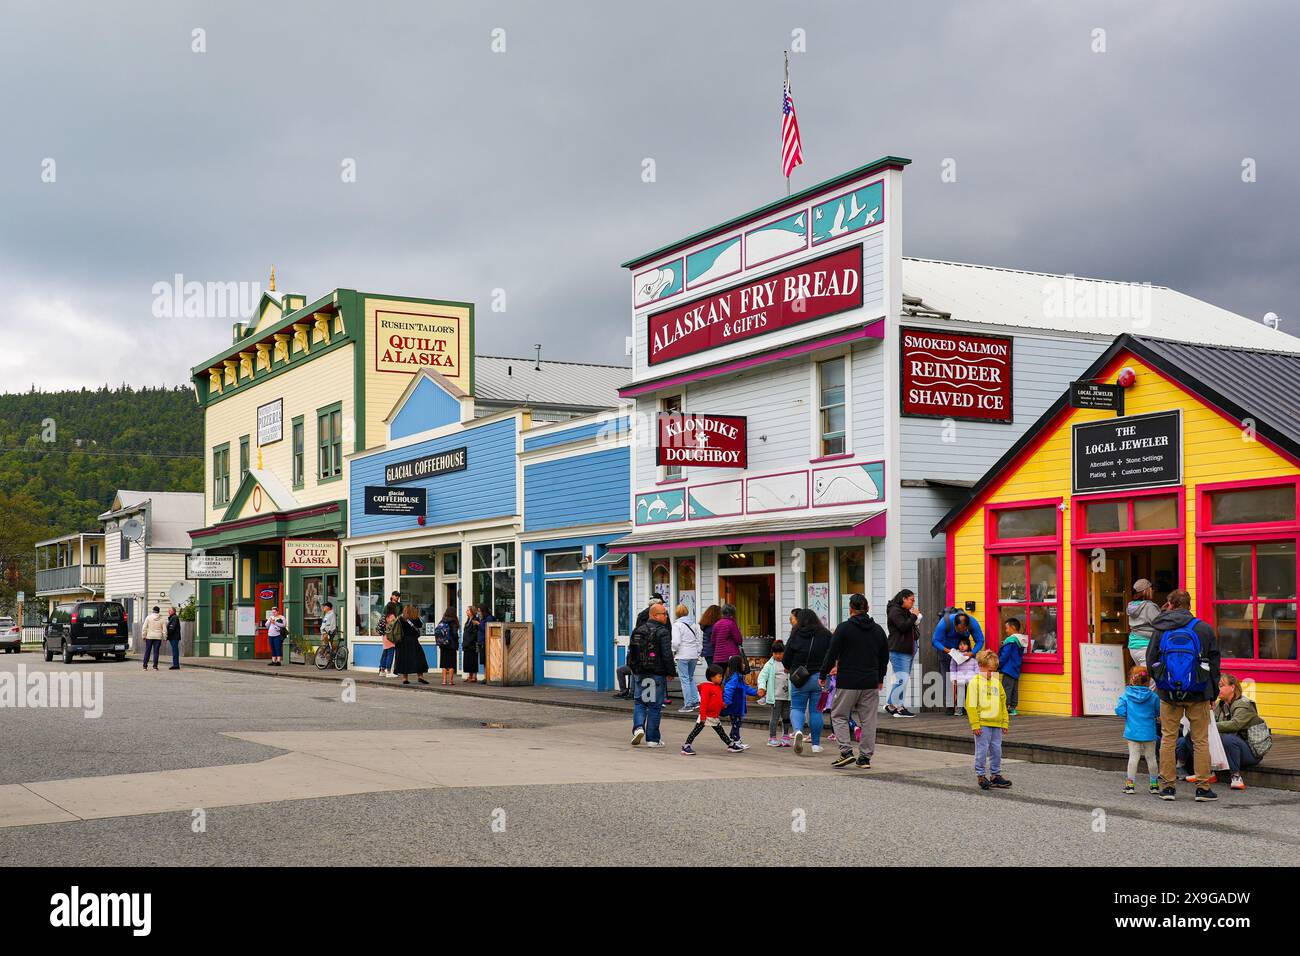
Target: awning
pixel 745 531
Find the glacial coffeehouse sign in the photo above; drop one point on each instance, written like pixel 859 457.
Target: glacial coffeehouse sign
pixel 427 466
pixel 811 290
pixel 396 501
pixel 1122 454
pixel 715 441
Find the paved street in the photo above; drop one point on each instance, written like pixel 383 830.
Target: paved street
pixel 287 772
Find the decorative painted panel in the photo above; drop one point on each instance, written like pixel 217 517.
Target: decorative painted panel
pixel 777 492
pixel 848 484
pixel 657 284
pixel 776 239
pixel 661 507
pixel 716 262
pixel 716 500
pixel 848 213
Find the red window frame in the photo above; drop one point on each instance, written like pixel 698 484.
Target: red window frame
pixel 1210 535
pixel 995 548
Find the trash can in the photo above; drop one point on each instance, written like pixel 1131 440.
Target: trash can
pixel 509 653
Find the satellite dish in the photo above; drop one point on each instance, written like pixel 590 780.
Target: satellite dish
pixel 132 529
pixel 180 593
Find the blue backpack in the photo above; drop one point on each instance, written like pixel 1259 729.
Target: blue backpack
pixel 1181 674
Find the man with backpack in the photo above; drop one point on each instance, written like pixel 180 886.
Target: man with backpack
pixel 650 656
pixel 1183 657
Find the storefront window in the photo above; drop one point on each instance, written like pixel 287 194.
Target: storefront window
pixel 622 607
pixel 219 620
pixel 1146 513
pixel 493 579
pixel 1155 514
pixel 368 596
pixel 1027 591
pixel 564 615
pixel 1026 522
pixel 746 559
pixel 1106 516
pixel 1255 600
pixel 451 564
pixel 563 562
pixel 831 410
pixel 686 583
pixel 853 578
pixel 419 586
pixel 817 583
pixel 661 578
pixel 1268 504
pixel 673 403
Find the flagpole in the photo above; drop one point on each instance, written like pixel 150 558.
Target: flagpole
pixel 787 88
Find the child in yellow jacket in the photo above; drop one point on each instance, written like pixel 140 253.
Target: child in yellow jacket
pixel 986 706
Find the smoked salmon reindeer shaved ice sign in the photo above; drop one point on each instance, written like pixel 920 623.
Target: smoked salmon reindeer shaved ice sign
pixel 408 342
pixel 956 376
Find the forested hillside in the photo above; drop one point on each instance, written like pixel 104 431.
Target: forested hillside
pixel 63 455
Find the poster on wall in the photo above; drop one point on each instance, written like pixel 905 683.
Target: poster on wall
pixel 1122 454
pixel 956 376
pixel 819 601
pixel 1101 676
pixel 811 290
pixel 270 422
pixel 245 621
pixel 410 341
pixel 714 441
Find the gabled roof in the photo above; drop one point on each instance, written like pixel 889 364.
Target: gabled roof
pixel 282 498
pixel 171 513
pixel 1018 299
pixel 1242 383
pixel 525 381
pixel 434 376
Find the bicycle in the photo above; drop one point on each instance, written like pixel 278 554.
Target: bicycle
pixel 328 654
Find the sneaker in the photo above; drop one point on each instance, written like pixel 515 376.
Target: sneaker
pixel 685 710
pixel 983 782
pixel 785 740
pixel 627 696
pixel 742 746
pixel 736 748
pixel 961 712
pixel 688 750
pixel 1205 795
pixel 1237 782
pixel 655 743
pixel 638 735
pixel 1129 788
pixel 798 741
pixel 816 748
pixel 1168 793
pixel 1155 788
pixel 1012 713
pixel 773 742
pixel 1001 782
pixel 831 738
pixel 891 710
pixel 1193 778
pixel 950 710
pixel 845 759
pixel 864 762
pixel 903 712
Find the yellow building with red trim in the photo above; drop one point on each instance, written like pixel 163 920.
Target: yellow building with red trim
pixel 1195 483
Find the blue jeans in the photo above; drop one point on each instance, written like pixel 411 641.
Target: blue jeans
pixel 686 673
pixel 988 752
pixel 1238 751
pixel 176 651
pixel 902 665
pixel 646 713
pixel 803 699
pixel 386 658
pixel 277 644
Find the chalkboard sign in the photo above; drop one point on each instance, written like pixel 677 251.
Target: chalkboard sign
pixel 1121 454
pixel 1101 676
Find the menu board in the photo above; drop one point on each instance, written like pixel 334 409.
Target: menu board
pixel 1101 675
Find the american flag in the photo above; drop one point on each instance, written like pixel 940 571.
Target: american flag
pixel 791 145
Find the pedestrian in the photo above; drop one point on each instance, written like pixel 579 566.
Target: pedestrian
pixel 624 675
pixel 963 672
pixel 859 655
pixel 904 621
pixel 329 627
pixel 1140 708
pixel 174 638
pixel 1011 656
pixel 727 640
pixel 734 694
pixel 650 656
pixel 710 694
pixel 688 642
pixel 1142 614
pixel 410 657
pixel 1183 658
pixel 153 630
pixel 794 618
pixel 645 611
pixel 469 646
pixel 1235 716
pixel 392 637
pixel 986 707
pixel 707 620
pixel 394 605
pixel 774 689
pixel 952 627
pixel 804 653
pixel 446 634
pixel 276 626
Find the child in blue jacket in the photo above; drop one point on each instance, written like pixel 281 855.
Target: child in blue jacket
pixel 734 692
pixel 1140 708
pixel 1010 656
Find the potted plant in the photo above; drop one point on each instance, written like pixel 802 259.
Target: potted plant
pixel 300 649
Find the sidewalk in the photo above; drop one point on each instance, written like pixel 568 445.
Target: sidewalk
pixel 1094 742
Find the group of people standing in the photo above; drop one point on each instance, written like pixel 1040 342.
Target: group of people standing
pixel 155 629
pixel 403 654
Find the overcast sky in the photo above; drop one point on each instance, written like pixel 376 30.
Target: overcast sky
pixel 521 170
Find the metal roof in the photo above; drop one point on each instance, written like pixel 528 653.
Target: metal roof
pixel 749 529
pixel 173 513
pixel 525 381
pixel 1064 303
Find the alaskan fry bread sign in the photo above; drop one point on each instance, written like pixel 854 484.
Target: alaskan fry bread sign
pixel 410 341
pixel 956 376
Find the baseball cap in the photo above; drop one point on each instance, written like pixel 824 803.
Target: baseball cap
pixel 1140 585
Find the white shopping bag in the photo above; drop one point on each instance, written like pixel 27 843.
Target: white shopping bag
pixel 1218 756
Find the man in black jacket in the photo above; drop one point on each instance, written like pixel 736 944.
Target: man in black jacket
pixel 650 655
pixel 174 638
pixel 1195 705
pixel 860 650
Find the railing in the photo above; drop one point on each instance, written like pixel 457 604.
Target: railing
pixel 75 577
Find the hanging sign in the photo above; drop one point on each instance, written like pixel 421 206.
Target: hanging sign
pixel 409 341
pixel 427 466
pixel 1097 395
pixel 945 375
pixel 811 290
pixel 1121 454
pixel 714 441
pixel 311 553
pixel 270 422
pixel 395 501
pixel 209 567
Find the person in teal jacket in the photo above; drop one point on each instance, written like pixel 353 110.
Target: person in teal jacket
pixel 1140 708
pixel 954 627
pixel 734 692
pixel 1010 657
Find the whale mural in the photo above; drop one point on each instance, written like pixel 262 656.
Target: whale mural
pixel 715 501
pixel 848 484
pixel 715 262
pixel 776 239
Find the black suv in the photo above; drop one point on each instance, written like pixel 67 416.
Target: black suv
pixel 98 628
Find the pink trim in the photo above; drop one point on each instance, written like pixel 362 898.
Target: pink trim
pixel 949 570
pixel 839 457
pixel 789 214
pixel 670 481
pixel 713 484
pixel 1203 514
pixel 995 548
pixel 870 225
pixel 837 338
pixel 876 329
pixel 721 242
pixel 1128 538
pixel 863 501
pixel 873 527
pixel 807 493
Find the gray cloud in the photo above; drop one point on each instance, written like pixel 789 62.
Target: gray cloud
pixel 522 170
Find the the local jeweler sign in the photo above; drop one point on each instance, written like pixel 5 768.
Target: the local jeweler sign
pixel 427 466
pixel 811 290
pixel 1120 454
pixel 311 553
pixel 714 441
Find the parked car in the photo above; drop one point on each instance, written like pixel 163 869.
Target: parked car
pixel 11 636
pixel 95 628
